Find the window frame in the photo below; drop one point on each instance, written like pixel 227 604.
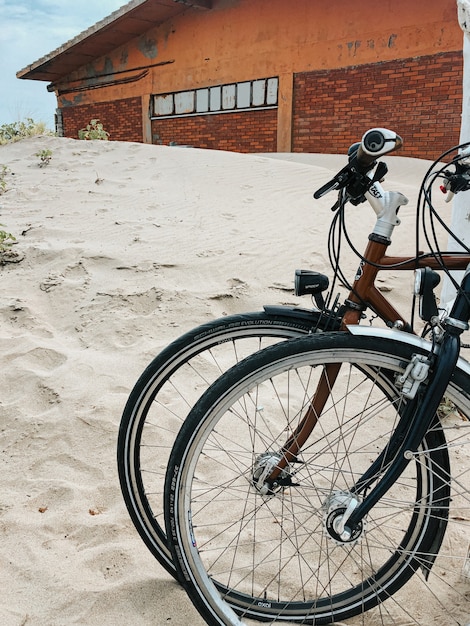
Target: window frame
pixel 248 95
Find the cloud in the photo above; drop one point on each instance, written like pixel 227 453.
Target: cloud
pixel 30 30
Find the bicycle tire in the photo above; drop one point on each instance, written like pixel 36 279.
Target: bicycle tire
pixel 149 425
pixel 275 557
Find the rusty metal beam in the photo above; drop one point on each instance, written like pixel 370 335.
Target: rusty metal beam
pixel 197 4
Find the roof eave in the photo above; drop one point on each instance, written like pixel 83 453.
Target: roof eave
pixel 131 20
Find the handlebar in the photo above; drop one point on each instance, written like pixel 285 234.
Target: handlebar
pixel 459 180
pixel 356 179
pixel 357 183
pixel 375 142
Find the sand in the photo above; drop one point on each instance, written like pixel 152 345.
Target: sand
pixel 121 248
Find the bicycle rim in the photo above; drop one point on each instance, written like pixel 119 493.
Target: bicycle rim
pixel 276 557
pixel 165 393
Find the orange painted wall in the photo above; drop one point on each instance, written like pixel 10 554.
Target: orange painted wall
pixel 247 39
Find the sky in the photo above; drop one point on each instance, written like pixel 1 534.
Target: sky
pixel 30 30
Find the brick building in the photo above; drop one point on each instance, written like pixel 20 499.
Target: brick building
pixel 264 75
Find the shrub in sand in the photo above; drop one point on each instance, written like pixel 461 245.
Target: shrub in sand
pixel 6 240
pixel 3 175
pixel 22 129
pixel 93 130
pixel 7 255
pixel 44 157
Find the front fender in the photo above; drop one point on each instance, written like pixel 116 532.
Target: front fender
pixel 321 320
pixel 402 337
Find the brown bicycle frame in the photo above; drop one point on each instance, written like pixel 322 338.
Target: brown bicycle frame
pixel 375 259
pixel 364 294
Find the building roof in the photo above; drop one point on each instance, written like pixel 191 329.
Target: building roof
pixel 132 19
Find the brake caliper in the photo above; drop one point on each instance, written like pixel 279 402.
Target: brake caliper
pixel 415 373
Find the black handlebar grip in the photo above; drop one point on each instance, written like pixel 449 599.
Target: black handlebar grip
pixel 363 159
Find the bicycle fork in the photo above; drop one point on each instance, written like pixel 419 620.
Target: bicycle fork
pixel 415 421
pixel 419 414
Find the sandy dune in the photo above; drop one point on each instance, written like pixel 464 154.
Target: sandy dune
pixel 124 247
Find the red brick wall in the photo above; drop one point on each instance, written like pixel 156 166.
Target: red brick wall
pixel 243 131
pixel 122 119
pixel 420 98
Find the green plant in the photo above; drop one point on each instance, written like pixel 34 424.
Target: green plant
pixel 6 240
pixel 21 129
pixel 3 182
pixel 45 156
pixel 93 130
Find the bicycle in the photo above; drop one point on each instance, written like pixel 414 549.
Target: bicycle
pixel 173 381
pixel 313 480
pixel 182 371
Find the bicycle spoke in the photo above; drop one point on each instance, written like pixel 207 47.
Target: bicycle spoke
pixel 278 552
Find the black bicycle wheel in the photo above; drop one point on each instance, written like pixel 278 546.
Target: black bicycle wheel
pixel 277 555
pixel 167 390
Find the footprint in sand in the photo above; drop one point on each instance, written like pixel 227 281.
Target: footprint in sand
pixel 73 274
pixel 19 316
pixel 209 253
pixel 77 272
pixel 41 359
pixel 112 562
pixel 51 499
pixel 46 396
pixel 237 288
pixel 52 281
pixel 111 318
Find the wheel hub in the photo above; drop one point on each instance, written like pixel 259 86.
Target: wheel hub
pixel 263 466
pixel 338 508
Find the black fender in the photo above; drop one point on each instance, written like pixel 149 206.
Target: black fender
pixel 321 320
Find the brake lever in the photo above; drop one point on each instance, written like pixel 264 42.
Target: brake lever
pixel 456 181
pixel 380 172
pixel 338 203
pixel 347 176
pixel 340 181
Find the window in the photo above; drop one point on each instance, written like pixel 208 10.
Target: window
pixel 184 102
pixel 259 92
pixel 216 98
pixel 228 96
pixel 247 95
pixel 163 105
pixel 202 100
pixel 271 97
pixel 243 95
